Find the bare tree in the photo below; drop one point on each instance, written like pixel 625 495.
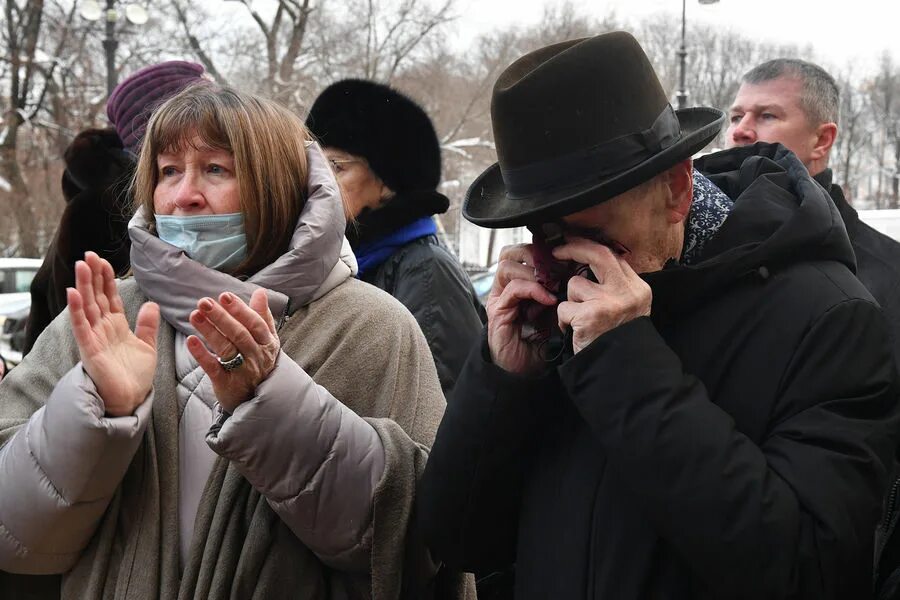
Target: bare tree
pixel 884 97
pixel 30 76
pixel 853 134
pixel 181 12
pixel 392 36
pixel 52 81
pixel 307 43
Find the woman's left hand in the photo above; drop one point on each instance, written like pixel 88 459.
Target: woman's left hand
pixel 229 327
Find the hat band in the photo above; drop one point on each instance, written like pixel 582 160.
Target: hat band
pixel 600 161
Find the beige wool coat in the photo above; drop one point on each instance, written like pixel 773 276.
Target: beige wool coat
pixel 356 342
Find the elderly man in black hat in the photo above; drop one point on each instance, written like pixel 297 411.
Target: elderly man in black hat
pixel 718 416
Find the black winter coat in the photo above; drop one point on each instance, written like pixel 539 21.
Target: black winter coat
pixel 430 282
pixel 733 445
pixel 878 268
pixel 94 185
pixel 877 257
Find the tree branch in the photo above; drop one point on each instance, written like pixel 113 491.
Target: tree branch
pixel 195 43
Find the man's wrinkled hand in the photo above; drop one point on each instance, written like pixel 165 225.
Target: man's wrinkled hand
pixel 592 309
pixel 514 284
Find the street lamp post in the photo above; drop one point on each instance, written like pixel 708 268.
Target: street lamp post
pixel 91 11
pixel 110 43
pixel 682 57
pixel 682 94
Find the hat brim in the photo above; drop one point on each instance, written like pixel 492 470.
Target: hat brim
pixel 487 204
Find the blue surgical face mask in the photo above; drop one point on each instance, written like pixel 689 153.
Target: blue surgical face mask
pixel 217 241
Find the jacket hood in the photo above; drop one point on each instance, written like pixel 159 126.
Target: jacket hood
pixel 780 216
pixel 317 260
pixel 95 159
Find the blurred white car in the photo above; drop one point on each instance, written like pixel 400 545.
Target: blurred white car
pixel 887 221
pixel 483 281
pixel 15 301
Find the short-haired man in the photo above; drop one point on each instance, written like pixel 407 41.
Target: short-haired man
pixel 796 103
pixel 791 102
pixel 725 411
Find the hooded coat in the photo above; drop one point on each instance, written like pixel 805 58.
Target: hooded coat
pixel 877 257
pixel 94 184
pixel 735 444
pixel 878 268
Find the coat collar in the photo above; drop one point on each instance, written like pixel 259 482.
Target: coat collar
pixel 318 259
pixel 848 213
pixel 780 216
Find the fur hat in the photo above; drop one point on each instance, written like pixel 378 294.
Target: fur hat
pixel 133 101
pixel 383 126
pixel 95 160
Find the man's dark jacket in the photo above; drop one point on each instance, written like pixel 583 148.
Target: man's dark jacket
pixel 733 445
pixel 878 268
pixel 94 184
pixel 430 282
pixel 877 257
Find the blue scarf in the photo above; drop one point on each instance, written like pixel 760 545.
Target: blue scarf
pixel 370 255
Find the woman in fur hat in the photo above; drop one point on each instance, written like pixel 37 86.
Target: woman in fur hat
pixel 192 432
pixel 386 156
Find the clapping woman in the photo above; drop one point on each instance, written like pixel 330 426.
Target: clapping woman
pixel 241 418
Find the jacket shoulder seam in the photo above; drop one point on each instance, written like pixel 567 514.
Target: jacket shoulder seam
pixel 848 297
pixel 812 325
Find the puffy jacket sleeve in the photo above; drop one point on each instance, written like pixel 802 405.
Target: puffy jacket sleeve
pixel 792 516
pixel 439 295
pixel 471 491
pixel 316 461
pixel 339 457
pixel 61 459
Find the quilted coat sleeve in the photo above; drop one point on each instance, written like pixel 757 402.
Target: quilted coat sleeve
pixel 790 517
pixel 316 461
pixel 339 458
pixel 61 459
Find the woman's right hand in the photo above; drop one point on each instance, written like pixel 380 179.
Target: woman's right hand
pixel 514 283
pixel 120 363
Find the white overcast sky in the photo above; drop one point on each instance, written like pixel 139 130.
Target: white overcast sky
pixel 840 31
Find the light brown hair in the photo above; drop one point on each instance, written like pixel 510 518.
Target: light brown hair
pixel 268 143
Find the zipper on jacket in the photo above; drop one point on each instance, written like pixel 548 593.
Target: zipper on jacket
pixel 887 523
pixel 892 504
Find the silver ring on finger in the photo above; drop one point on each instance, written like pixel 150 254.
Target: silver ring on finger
pixel 232 363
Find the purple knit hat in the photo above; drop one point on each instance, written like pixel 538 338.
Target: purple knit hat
pixel 133 101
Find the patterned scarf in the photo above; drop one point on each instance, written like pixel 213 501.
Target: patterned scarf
pixel 709 210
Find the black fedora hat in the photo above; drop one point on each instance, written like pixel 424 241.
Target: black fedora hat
pixel 577 123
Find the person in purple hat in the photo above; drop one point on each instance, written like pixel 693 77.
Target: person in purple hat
pixel 99 166
pixel 133 101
